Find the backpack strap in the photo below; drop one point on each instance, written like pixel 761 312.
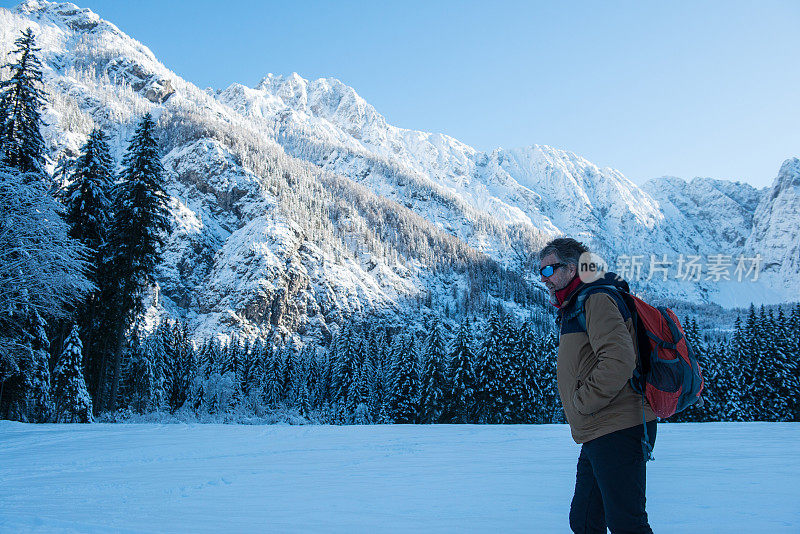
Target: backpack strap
pixel 579 312
pixel 647 448
pixel 673 328
pixel 627 308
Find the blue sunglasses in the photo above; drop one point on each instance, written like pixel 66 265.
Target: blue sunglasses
pixel 548 270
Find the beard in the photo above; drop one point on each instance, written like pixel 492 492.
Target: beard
pixel 551 290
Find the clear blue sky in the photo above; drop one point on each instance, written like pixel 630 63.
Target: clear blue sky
pixel 650 88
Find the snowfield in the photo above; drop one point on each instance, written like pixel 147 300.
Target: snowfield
pixel 718 477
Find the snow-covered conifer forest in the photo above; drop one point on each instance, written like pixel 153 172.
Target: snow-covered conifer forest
pixel 282 253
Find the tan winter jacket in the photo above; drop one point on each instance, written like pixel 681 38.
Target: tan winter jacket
pixel 594 368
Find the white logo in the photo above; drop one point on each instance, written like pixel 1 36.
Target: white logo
pixel 591 267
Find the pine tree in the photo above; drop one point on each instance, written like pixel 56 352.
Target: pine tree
pixel 371 369
pixel 211 358
pixel 72 401
pixel 381 386
pixel 549 401
pixel 760 387
pixel 291 370
pixel 139 226
pixel 40 359
pixel 734 375
pixel 264 360
pixel 87 198
pixel 785 386
pixel 326 377
pixel 158 354
pixel 184 365
pixel 228 357
pixel 313 374
pixel 793 347
pixel 248 371
pixel 527 350
pixel 303 402
pixel 345 371
pixel 462 376
pixel 273 381
pixel 405 384
pixel 362 415
pixel 21 98
pixel 711 361
pixel 139 378
pixel 433 380
pixel 332 368
pixel 171 363
pixel 511 367
pixel 489 374
pixel 365 373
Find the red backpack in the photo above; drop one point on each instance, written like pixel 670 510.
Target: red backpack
pixel 667 371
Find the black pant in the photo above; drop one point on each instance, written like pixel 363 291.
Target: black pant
pixel 610 485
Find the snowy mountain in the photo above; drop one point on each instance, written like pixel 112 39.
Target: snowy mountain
pixel 697 205
pixel 328 124
pixel 295 203
pixel 776 232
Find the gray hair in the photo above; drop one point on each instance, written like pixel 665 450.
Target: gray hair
pixel 566 249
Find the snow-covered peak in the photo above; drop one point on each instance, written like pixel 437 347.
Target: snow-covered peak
pixel 70 15
pixel 577 197
pixel 577 178
pixel 328 102
pixel 74 39
pixel 776 227
pixel 740 192
pixel 292 89
pixel 788 179
pixel 325 98
pixel 73 19
pixel 720 212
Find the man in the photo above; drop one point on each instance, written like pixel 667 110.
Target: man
pixel 596 359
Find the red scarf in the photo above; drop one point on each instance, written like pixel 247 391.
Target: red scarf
pixel 562 294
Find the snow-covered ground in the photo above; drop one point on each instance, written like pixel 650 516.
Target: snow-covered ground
pixel 721 477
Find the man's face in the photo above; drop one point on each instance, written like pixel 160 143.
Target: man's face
pixel 560 277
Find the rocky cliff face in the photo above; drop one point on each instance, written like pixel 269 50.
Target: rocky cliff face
pixel 718 211
pixel 776 227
